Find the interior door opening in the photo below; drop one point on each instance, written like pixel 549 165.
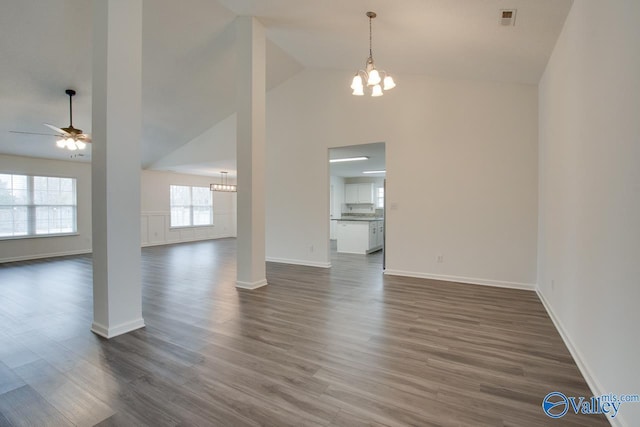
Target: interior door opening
pixel 357 193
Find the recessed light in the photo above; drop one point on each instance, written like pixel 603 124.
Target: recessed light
pixel 382 171
pixel 348 159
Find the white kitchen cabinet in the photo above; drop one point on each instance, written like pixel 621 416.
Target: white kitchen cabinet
pixel 351 193
pixel 376 233
pixel 373 235
pixel 365 193
pixel 359 193
pixel 359 237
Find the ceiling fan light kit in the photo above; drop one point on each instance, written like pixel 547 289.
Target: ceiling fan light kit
pixel 370 78
pixel 70 138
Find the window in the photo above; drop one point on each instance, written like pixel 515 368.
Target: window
pixel 37 206
pixel 191 206
pixel 380 197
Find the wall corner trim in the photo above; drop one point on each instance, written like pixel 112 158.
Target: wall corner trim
pixel 251 285
pixel 120 329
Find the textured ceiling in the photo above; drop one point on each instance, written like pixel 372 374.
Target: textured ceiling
pixel 188 55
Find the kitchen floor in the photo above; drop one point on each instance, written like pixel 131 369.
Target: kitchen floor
pixel 372 261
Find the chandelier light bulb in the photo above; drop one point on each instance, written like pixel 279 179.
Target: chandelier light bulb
pixel 358 91
pixel 357 82
pixel 376 91
pixel 81 145
pixel 389 83
pixel 374 78
pixel 61 143
pixel 71 145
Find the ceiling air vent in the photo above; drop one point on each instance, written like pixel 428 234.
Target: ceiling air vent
pixel 507 17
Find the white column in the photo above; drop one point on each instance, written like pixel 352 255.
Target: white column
pixel 250 107
pixel 115 166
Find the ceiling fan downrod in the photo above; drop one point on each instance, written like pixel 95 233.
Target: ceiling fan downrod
pixel 71 93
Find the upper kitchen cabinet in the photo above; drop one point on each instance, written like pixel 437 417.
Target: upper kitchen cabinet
pixel 359 193
pixel 351 193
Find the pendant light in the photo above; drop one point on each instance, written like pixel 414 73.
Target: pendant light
pixel 224 184
pixel 371 77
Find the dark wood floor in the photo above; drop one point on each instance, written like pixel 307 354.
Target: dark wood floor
pixel 342 346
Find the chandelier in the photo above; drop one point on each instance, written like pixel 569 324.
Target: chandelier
pixel 370 75
pixel 224 184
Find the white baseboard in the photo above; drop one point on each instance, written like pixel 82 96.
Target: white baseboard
pixel 459 279
pixel 251 285
pixel 594 385
pixel 123 328
pixel 173 242
pixel 300 262
pixel 47 255
pixel 88 251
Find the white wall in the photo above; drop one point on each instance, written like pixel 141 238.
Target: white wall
pixel 589 242
pixel 155 227
pixel 19 249
pixel 461 161
pixel 154 210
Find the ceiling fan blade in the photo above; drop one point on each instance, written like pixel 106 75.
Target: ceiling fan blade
pixel 84 137
pixel 57 129
pixel 33 133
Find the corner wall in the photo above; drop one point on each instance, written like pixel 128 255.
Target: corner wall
pixel 589 222
pixel 461 161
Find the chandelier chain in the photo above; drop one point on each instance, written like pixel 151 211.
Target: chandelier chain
pixel 370 38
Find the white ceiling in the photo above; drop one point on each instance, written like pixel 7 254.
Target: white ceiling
pixel 188 55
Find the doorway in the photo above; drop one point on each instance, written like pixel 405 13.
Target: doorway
pixel 357 194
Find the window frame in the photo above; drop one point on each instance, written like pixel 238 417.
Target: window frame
pixel 31 207
pixel 190 206
pixel 380 198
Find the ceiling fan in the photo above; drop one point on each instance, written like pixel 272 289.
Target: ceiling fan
pixel 70 138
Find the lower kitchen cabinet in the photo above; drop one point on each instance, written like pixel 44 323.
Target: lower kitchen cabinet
pixel 359 237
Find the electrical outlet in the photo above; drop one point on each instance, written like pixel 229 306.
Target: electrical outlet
pixel 440 259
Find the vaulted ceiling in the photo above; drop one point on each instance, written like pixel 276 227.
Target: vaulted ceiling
pixel 188 55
